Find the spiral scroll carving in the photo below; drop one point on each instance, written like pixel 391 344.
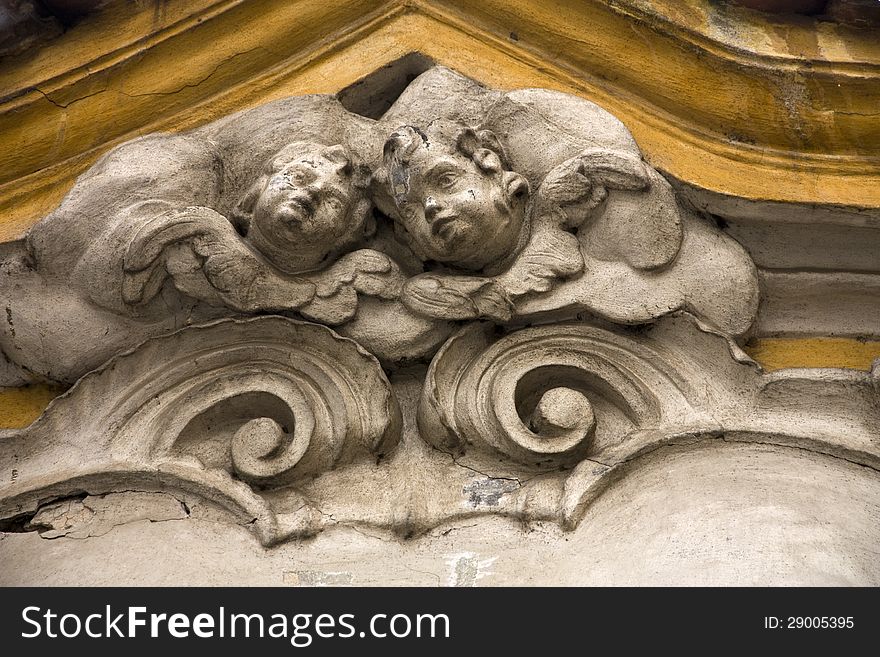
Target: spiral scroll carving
pixel 223 411
pixel 269 400
pixel 544 395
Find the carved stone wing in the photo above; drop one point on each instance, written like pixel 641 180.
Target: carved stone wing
pixel 640 223
pixel 550 255
pixel 207 259
pixel 457 297
pixel 365 271
pixel 581 183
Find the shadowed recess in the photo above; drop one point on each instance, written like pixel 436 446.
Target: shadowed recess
pixel 371 96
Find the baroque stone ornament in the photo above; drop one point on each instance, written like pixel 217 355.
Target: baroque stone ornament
pixel 223 411
pixel 299 317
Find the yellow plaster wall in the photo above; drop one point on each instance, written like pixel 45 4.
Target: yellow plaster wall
pixel 780 353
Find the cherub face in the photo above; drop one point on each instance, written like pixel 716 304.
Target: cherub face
pixel 460 210
pixel 307 198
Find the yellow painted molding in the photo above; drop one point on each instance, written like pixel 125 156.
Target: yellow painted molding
pixel 732 124
pixel 714 96
pixel 107 38
pixel 46 121
pixel 781 353
pixel 50 135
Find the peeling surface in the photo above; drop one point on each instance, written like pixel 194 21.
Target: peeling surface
pixel 88 516
pixel 468 568
pixel 487 492
pixel 317 578
pixel 711 514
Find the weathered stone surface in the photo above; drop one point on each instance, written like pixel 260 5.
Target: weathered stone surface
pixel 305 321
pixel 268 211
pixel 710 514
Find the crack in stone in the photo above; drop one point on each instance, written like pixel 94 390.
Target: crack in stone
pixel 726 439
pixel 354 526
pixel 71 102
pixel 846 113
pixel 799 447
pixel 153 93
pixel 601 463
pixel 199 82
pixel 24 523
pixel 519 482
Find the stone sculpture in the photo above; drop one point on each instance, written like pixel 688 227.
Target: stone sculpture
pixel 230 235
pixel 297 316
pixel 635 254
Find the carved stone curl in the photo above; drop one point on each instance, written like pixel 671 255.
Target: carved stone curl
pixel 595 399
pixel 269 401
pixel 544 396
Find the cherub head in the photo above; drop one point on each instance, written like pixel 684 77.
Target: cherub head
pixel 310 201
pixel 453 196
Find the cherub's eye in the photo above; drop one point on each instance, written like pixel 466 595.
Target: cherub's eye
pixel 334 204
pixel 446 180
pixel 294 178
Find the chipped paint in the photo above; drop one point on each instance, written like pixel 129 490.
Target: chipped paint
pixel 466 569
pixel 487 492
pixel 318 578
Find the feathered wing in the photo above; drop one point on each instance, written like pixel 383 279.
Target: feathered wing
pixel 643 223
pixel 207 259
pixel 457 297
pixel 551 254
pixel 577 186
pixel 363 272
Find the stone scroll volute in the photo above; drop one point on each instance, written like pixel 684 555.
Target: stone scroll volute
pixel 304 317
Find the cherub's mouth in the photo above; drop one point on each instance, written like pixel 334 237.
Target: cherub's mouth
pixel 303 203
pixel 444 226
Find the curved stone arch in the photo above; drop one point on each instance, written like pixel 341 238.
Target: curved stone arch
pixel 590 479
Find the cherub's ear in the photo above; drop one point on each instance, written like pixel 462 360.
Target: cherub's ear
pixel 468 141
pixel 243 212
pixel 489 140
pixel 483 147
pixel 487 160
pixel 336 153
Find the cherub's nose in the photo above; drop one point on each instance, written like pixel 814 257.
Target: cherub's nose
pixel 315 188
pixel 432 207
